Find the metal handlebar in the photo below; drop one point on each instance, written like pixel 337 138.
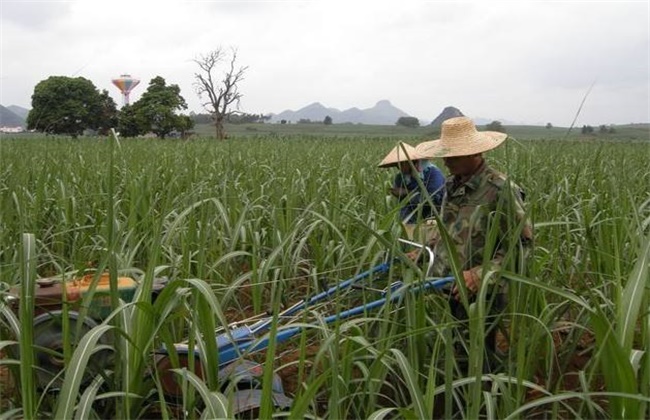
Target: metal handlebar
pixel 422 246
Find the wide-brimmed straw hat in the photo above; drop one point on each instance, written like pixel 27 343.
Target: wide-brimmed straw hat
pixel 401 153
pixel 459 137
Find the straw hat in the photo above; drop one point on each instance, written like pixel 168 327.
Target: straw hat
pixel 400 153
pixel 460 138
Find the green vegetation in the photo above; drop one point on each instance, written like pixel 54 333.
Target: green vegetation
pixel 257 222
pixel 495 126
pixel 408 122
pixel 70 106
pixel 67 105
pixel 636 132
pixel 155 112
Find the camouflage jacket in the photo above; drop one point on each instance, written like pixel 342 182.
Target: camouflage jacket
pixel 487 223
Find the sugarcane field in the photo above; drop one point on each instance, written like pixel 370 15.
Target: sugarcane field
pixel 268 276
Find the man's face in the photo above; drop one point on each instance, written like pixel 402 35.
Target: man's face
pixel 405 167
pixel 462 165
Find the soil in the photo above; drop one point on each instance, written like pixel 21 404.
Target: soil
pixel 7 385
pixel 565 375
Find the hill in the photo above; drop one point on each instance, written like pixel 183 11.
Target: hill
pixel 383 113
pixel 19 110
pixel 448 112
pixel 10 119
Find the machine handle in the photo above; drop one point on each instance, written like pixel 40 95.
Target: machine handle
pixel 424 247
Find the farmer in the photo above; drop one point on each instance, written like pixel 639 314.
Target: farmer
pixel 413 171
pixel 483 212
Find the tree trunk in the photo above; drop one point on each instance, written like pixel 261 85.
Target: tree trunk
pixel 221 132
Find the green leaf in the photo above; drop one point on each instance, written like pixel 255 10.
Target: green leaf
pixel 410 377
pixel 633 295
pixel 75 371
pixel 382 413
pixel 88 398
pixel 216 404
pixel 617 369
pixel 26 339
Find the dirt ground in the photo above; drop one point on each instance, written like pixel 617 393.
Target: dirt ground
pixel 7 385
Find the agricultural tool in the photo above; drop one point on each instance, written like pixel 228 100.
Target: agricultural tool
pixel 234 342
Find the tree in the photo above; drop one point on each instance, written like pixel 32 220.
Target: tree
pixel 66 105
pixel 222 91
pixel 201 118
pixel 128 124
pixel 587 129
pixel 108 115
pixel 327 120
pixel 185 124
pixel 606 129
pixel 495 126
pixel 408 122
pixel 155 111
pixel 245 118
pixel 549 126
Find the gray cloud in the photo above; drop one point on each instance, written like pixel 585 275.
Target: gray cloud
pixel 521 61
pixel 33 14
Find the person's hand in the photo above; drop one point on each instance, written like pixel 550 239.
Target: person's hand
pixel 414 255
pixel 472 283
pixel 398 192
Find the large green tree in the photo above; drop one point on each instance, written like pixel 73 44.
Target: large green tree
pixel 70 105
pixel 156 111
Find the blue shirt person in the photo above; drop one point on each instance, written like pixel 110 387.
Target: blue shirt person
pixel 414 170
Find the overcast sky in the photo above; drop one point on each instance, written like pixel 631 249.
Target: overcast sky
pixel 520 61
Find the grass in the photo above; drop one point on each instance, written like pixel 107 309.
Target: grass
pixel 625 132
pixel 255 223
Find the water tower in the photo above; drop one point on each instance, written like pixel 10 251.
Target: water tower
pixel 125 83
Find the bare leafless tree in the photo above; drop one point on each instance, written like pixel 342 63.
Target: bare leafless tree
pixel 220 87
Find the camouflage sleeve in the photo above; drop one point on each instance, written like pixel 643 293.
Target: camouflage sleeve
pixel 515 234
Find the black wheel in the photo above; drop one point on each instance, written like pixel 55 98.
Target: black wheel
pixel 49 342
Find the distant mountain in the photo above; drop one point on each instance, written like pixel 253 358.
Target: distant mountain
pixel 448 112
pixel 383 113
pixel 452 112
pixel 19 110
pixel 10 119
